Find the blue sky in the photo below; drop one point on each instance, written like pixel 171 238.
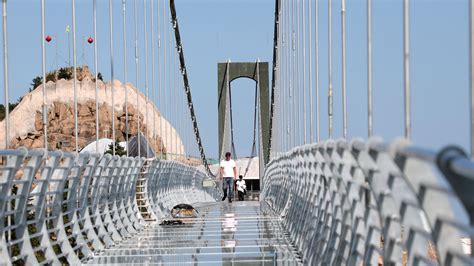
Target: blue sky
pixel 242 30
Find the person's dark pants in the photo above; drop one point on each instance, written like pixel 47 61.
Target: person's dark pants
pixel 228 185
pixel 241 196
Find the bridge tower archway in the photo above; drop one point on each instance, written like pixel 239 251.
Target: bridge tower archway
pixel 228 72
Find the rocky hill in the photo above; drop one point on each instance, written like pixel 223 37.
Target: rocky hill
pixel 26 127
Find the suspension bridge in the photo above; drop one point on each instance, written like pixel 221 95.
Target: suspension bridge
pixel 91 170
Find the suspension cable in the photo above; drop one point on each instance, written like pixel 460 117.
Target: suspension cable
pixel 145 43
pixel 125 70
pixel 137 77
pixel 160 85
pixel 96 67
pixel 406 65
pixel 369 69
pixel 293 77
pixel 186 86
pixel 288 76
pixel 304 73
pixel 330 96
pixel 254 141
pixel 165 85
pixel 310 70
pixel 74 59
pixel 174 112
pixel 276 63
pixel 43 69
pixel 152 30
pixel 169 87
pixel 298 75
pixel 343 47
pixel 316 66
pixel 112 73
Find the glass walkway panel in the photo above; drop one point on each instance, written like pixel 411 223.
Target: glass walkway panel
pixel 224 233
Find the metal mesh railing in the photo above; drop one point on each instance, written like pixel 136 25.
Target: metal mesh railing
pixel 354 203
pixel 63 208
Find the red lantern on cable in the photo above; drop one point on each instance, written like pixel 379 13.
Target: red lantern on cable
pixel 48 38
pixel 90 40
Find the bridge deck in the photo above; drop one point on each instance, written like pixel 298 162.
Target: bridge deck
pixel 224 233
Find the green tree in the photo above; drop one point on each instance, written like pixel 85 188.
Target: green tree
pixel 36 82
pixel 119 150
pixel 11 106
pixel 64 73
pixel 51 76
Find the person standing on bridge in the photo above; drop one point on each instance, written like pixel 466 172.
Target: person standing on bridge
pixel 241 187
pixel 228 174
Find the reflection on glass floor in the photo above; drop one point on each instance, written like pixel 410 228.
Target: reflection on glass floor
pixel 237 233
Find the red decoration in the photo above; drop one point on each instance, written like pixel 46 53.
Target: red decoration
pixel 90 40
pixel 48 38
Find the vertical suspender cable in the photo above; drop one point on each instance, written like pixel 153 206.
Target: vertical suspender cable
pixel 294 77
pixel 145 39
pixel 182 116
pixel 181 119
pixel 152 29
pixel 310 71
pixel 282 48
pixel 5 82
pixel 125 69
pixel 287 77
pixel 178 105
pixel 471 76
pixel 290 127
pixel 137 77
pixel 173 103
pixel 43 69
pixel 94 13
pixel 177 115
pixel 76 133
pixel 285 69
pixel 406 66
pixel 160 84
pixel 330 99
pixel 289 45
pixel 185 125
pixel 170 105
pixel 369 68
pixel 111 34
pixel 282 90
pixel 298 75
pixel 279 106
pixel 165 66
pixel 281 81
pixel 289 54
pixel 316 69
pixel 343 46
pixel 304 73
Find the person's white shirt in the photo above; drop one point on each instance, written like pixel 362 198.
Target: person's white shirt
pixel 241 185
pixel 228 168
